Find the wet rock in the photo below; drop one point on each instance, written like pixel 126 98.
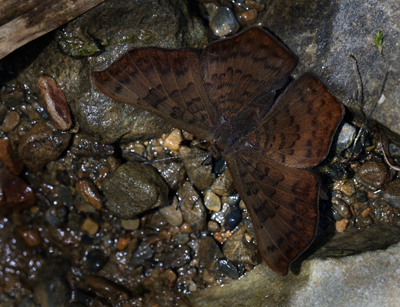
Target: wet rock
pixel 53 101
pixel 11 121
pixel 374 173
pixel 56 215
pixel 81 146
pixel 171 214
pixel 134 188
pixel 209 253
pixel 41 145
pixel 178 257
pixel 173 140
pixel 238 250
pixel 224 185
pixel 182 238
pixel 392 194
pixel 346 137
pixel 91 226
pixel 228 268
pixel 88 191
pixel 233 217
pixel 8 157
pixel 195 169
pixel 130 224
pixel 96 260
pixel 31 236
pixel 341 208
pixel 212 201
pixel 15 194
pixel 156 221
pixel 172 172
pixel 143 252
pixel 345 186
pixel 192 207
pixel 248 16
pixel 224 22
pixel 106 288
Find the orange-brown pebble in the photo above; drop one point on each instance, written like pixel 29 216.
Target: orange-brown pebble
pixel 249 16
pixel 89 193
pixel 154 239
pixel 54 102
pixel 219 237
pixel 30 235
pixel 8 157
pixel 228 234
pixel 11 121
pixel 168 275
pixel 207 278
pixel 366 211
pixel 34 210
pixel 185 227
pixel 123 242
pixel 341 225
pixel 164 235
pixel 173 140
pixel 90 226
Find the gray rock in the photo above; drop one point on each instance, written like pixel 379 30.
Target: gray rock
pixel 193 210
pixel 134 188
pixel 224 22
pixel 392 194
pixel 346 137
pixel 142 253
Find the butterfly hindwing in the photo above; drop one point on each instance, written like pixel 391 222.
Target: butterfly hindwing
pixel 164 82
pixel 282 203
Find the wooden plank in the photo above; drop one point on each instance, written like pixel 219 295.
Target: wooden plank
pixel 22 21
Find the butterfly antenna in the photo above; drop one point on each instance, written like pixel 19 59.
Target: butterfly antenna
pixel 170 158
pixel 192 183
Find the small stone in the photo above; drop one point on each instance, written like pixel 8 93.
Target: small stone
pixel 173 140
pixel 134 188
pixel 232 218
pixel 143 252
pixel 41 145
pixel 53 101
pixel 131 224
pixel 90 226
pixel 341 225
pixel 185 227
pixel 11 121
pixel 219 237
pixel 374 173
pixel 228 268
pixel 249 16
pixel 341 207
pixel 52 291
pixel 238 250
pixel 392 194
pixel 168 275
pixel 211 201
pixel 171 214
pixel 182 238
pixel 106 288
pixel 96 260
pixel 345 186
pixel 173 173
pixel 192 207
pixel 30 235
pixel 394 150
pixel 213 226
pixel 224 22
pixel 122 242
pixel 164 235
pixel 346 137
pixel 178 257
pixel 224 185
pixel 8 157
pixel 211 8
pixel 88 191
pixel 366 211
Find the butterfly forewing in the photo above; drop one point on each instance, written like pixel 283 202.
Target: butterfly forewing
pixel 239 69
pixel 299 127
pixel 164 82
pixel 282 203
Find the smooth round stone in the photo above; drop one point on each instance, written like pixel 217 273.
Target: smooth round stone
pixel 182 238
pixel 392 194
pixel 193 210
pixel 173 140
pixel 346 137
pixel 233 218
pixel 224 185
pixel 142 253
pixel 212 201
pixel 224 22
pixel 228 268
pixel 374 173
pixel 131 224
pixel 171 214
pixel 96 260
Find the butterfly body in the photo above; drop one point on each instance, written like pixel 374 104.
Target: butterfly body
pixel 227 95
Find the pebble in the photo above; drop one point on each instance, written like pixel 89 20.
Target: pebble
pixel 56 215
pixel 248 16
pixel 341 225
pixel 53 101
pixel 224 22
pixel 345 186
pixel 123 242
pixel 30 235
pixel 374 173
pixel 211 201
pixel 142 253
pixel 41 145
pixel 106 288
pixel 224 185
pixel 213 226
pixel 392 194
pixel 238 250
pixel 171 214
pixel 134 188
pixel 341 207
pixel 173 140
pixel 185 227
pixel 11 121
pixel 173 172
pixel 53 291
pixel 168 275
pixel 233 217
pixel 8 157
pixel 211 8
pixel 131 224
pixel 182 238
pixel 88 191
pixel 96 260
pixel 178 257
pixel 364 221
pixel 228 268
pixel 90 226
pixel 394 150
pixel 193 210
pixel 346 137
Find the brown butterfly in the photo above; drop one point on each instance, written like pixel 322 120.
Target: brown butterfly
pixel 226 94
